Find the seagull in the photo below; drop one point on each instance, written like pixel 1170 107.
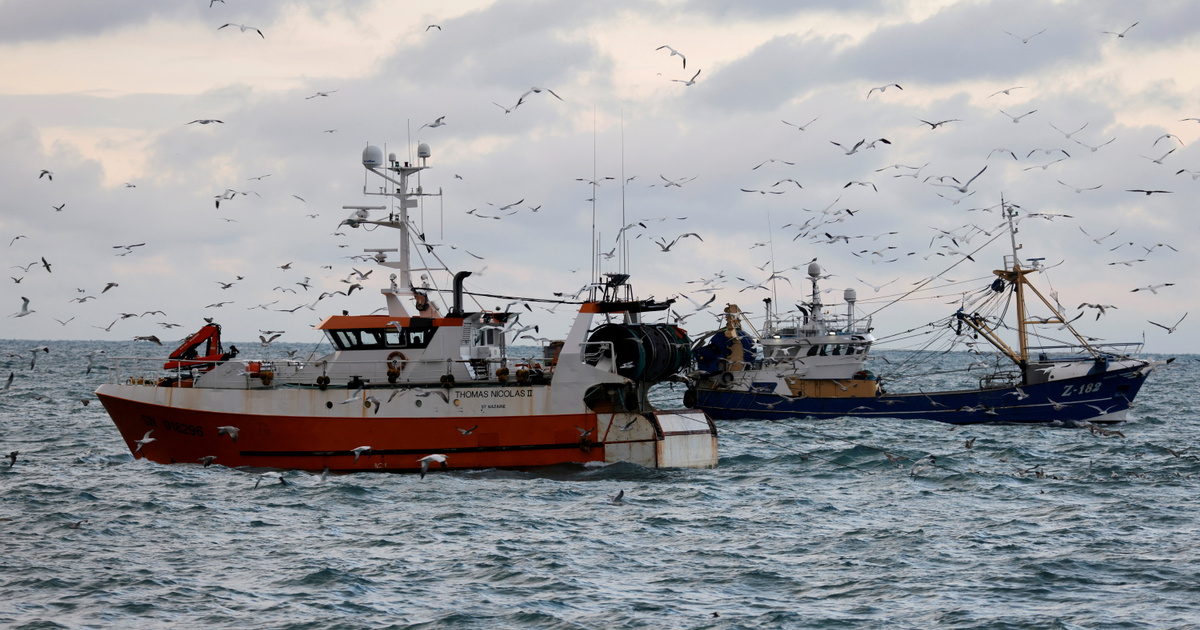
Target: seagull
pixel 883 88
pixel 466 431
pixel 674 53
pixel 430 392
pixel 8 382
pixel 1016 119
pixel 46 265
pixel 1100 308
pixel 433 26
pixel 320 94
pixel 935 125
pixel 1093 148
pixel 428 459
pixel 1078 190
pixel 666 247
pixel 359 451
pixel 772 160
pixel 47 174
pixel 146 439
pixel 1169 329
pixel 12 458
pixel 207 121
pixel 801 127
pixel 963 188
pixel 59 207
pixel 1025 40
pixel 877 288
pixel 1166 136
pixel 244 29
pixel 436 123
pixel 1120 35
pixel 207 460
pixel 1007 91
pixel 1098 241
pixel 24 309
pixel 535 90
pixel 616 498
pixel 232 432
pixel 688 82
pixel 150 338
pixel 507 110
pixel 109 286
pixel 1160 160
pixel 1148 192
pixel 1153 288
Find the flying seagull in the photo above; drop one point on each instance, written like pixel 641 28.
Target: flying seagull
pixel 801 127
pixel 1170 329
pixel 1120 35
pixel 435 123
pixel 146 439
pixel 688 82
pixel 428 459
pixel 320 94
pixel 1025 40
pixel 674 53
pixel 535 90
pixel 207 121
pixel 883 88
pixel 244 29
pixel 24 309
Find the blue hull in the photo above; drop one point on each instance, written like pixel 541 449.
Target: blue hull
pixel 1102 397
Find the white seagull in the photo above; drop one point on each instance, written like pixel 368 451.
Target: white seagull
pixel 436 123
pixel 146 439
pixel 244 29
pixel 881 89
pixel 674 53
pixel 688 82
pixel 24 309
pixel 1170 329
pixel 428 459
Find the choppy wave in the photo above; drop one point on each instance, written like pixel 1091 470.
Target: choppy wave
pixel 831 524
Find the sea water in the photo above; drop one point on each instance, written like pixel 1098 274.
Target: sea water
pixel 804 524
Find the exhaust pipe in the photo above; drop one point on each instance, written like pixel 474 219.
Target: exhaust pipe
pixel 457 311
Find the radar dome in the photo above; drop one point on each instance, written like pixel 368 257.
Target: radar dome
pixel 423 150
pixel 814 270
pixel 850 296
pixel 372 156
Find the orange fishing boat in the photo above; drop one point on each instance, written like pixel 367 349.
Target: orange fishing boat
pixel 416 382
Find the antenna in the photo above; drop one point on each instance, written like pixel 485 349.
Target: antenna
pixel 774 293
pixel 595 271
pixel 624 266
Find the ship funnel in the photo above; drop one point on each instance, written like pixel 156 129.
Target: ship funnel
pixel 457 311
pixel 372 156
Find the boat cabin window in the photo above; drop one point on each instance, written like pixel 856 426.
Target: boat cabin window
pixel 485 337
pixel 378 339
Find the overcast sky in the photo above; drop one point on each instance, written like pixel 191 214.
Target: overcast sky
pixel 101 94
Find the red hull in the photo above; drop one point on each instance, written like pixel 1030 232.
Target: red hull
pixel 313 444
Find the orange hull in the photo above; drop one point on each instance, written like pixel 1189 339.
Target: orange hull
pixel 315 443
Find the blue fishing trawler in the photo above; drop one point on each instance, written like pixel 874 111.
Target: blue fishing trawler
pixel 813 364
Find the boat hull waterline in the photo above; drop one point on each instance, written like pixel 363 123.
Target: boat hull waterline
pixel 185 429
pixel 1096 398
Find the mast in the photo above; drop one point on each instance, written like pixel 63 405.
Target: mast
pixel 398 174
